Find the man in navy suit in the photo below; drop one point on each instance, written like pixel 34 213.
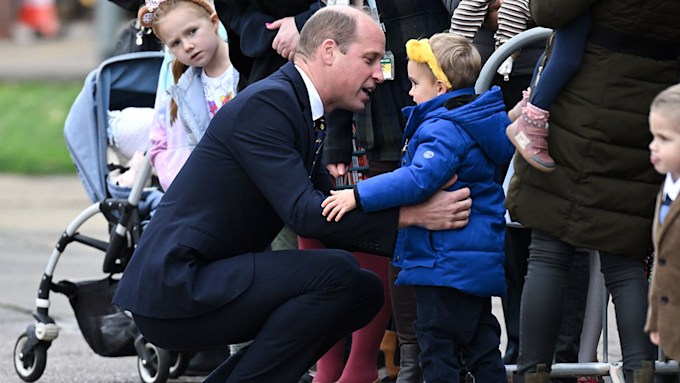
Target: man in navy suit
pixel 202 275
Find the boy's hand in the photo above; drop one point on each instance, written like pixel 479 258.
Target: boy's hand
pixel 339 203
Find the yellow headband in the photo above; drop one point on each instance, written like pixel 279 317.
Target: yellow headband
pixel 421 52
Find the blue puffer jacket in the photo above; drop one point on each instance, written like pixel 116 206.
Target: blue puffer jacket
pixel 469 141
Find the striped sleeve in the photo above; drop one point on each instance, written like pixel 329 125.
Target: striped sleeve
pixel 513 17
pixel 468 17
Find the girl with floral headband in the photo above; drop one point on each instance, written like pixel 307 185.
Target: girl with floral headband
pixel 204 79
pixel 450 131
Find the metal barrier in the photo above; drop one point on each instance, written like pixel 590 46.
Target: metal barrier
pixel 514 44
pixel 561 370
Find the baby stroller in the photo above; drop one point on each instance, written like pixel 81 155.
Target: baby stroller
pixel 124 81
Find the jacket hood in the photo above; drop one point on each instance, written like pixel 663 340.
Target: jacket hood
pixel 484 119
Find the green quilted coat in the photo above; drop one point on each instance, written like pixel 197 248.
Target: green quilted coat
pixel 601 195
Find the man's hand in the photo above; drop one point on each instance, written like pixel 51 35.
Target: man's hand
pixel 654 337
pixel 443 211
pixel 287 39
pixel 337 170
pixel 491 20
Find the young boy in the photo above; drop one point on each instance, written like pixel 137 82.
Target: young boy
pixel 664 298
pixel 450 131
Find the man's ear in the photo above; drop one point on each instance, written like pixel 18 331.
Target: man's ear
pixel 441 87
pixel 328 51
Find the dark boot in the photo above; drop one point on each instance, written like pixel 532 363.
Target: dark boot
pixel 644 374
pixel 540 376
pixel 410 371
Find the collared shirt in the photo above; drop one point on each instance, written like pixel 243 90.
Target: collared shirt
pixel 314 98
pixel 671 188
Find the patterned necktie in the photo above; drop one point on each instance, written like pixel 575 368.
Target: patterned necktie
pixel 320 131
pixel 663 209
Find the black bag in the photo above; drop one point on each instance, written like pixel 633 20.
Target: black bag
pixel 136 38
pixel 108 330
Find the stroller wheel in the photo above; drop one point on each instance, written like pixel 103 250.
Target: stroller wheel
pixel 156 367
pixel 179 362
pixel 31 364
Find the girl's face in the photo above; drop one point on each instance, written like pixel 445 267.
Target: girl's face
pixel 190 34
pixel 665 147
pixel 424 86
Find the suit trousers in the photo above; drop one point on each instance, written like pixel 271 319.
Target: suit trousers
pixel 299 304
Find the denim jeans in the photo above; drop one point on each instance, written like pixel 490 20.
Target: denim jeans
pixel 454 327
pixel 544 294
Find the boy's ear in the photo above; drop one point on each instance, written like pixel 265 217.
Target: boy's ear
pixel 441 87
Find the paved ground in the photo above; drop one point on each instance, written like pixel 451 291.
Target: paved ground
pixel 34 211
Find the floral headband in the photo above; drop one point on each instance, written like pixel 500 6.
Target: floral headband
pixel 421 52
pixel 145 14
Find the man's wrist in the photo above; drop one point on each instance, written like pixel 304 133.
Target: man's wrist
pixel 405 216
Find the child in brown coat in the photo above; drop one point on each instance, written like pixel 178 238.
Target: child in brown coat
pixel 664 295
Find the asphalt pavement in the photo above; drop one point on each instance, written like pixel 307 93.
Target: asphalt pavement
pixel 34 211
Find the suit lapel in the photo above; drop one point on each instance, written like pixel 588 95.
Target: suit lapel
pixel 302 95
pixel 672 215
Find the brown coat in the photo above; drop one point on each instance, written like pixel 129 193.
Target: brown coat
pixel 601 195
pixel 664 292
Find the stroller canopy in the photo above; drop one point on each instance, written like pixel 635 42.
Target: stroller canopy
pixel 128 80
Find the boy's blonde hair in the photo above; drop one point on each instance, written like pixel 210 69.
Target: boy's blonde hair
pixel 458 58
pixel 668 103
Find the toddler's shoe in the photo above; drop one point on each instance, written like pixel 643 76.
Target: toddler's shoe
pixel 529 134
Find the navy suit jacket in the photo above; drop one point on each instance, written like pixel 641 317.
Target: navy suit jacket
pixel 250 173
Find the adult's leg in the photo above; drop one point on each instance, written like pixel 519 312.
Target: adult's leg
pixel 593 317
pixel 542 298
pixel 299 304
pixel 576 293
pixel 329 367
pixel 361 364
pixel 626 281
pixel 404 312
pixel 517 242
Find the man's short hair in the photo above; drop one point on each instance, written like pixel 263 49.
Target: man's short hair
pixel 459 59
pixel 328 23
